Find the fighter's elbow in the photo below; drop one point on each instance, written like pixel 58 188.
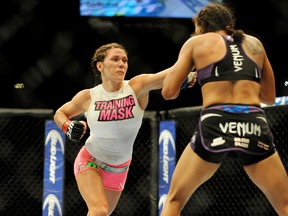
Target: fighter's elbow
pixel 268 101
pixel 268 98
pixel 168 94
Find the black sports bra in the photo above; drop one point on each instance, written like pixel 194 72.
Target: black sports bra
pixel 235 65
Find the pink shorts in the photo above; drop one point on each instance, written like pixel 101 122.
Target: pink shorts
pixel 114 176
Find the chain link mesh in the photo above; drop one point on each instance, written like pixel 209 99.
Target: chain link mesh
pixel 229 191
pixel 136 197
pixel 21 158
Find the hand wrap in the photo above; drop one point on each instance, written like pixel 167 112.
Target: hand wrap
pixel 73 129
pixel 187 80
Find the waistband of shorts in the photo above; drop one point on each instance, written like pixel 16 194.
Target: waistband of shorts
pixel 236 108
pixel 110 168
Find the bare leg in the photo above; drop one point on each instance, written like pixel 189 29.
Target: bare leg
pixel 190 172
pixel 271 178
pixel 100 202
pixel 113 199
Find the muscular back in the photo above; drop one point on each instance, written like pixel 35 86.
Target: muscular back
pixel 209 49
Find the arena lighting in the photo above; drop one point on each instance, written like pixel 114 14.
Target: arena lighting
pixel 146 9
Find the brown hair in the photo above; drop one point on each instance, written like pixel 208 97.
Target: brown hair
pixel 214 17
pixel 100 55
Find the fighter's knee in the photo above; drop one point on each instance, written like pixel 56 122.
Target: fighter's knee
pixel 100 211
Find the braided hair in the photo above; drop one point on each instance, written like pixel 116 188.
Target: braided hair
pixel 214 17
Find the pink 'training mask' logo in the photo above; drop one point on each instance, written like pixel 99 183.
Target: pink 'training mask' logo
pixel 117 109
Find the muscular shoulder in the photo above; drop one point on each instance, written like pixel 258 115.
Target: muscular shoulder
pixel 137 83
pixel 83 94
pixel 206 42
pixel 206 48
pixel 82 98
pixel 207 38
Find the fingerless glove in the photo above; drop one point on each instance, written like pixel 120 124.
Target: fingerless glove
pixel 74 130
pixel 187 80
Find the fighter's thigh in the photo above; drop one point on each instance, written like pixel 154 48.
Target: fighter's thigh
pixel 191 171
pixel 112 198
pixel 269 175
pixel 91 187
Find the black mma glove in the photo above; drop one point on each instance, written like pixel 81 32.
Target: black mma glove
pixel 74 130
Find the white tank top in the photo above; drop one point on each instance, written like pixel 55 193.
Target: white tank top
pixel 114 119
